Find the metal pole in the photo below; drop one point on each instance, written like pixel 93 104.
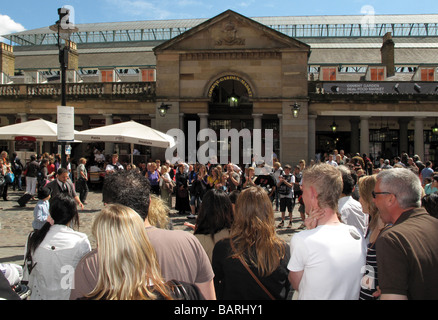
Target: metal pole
pixel 62 56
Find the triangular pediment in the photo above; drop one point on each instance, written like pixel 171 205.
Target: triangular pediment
pixel 230 31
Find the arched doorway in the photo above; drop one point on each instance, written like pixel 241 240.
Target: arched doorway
pixel 231 91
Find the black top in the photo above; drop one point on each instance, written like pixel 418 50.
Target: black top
pixel 233 281
pixel 32 169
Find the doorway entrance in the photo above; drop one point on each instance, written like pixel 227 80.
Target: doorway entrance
pixel 230 108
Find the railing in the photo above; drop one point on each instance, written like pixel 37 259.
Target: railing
pixel 141 89
pixel 9 90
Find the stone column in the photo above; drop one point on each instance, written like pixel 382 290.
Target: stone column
pixel 280 131
pixel 22 116
pixel 312 136
pixel 364 135
pixel 419 137
pixel 156 153
pixel 257 117
pixel 203 120
pixel 109 146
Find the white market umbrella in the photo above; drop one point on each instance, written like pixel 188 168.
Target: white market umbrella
pixel 39 129
pixel 127 132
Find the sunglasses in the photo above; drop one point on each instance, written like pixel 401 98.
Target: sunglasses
pixel 376 193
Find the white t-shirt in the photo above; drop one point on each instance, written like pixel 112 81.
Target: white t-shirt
pixel 332 257
pixel 332 163
pixel 56 259
pixel 352 214
pixel 164 176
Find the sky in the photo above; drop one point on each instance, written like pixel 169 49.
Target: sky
pixel 22 15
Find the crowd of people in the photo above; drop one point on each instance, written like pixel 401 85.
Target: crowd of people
pixel 368 232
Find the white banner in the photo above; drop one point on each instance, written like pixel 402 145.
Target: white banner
pixel 66 123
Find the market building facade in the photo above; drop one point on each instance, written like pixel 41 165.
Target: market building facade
pixel 297 76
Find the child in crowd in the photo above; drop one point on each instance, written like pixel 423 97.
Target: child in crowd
pixel 41 211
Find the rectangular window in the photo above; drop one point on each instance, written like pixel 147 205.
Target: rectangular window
pixel 107 75
pixel 377 73
pixel 428 74
pixel 148 75
pixel 329 74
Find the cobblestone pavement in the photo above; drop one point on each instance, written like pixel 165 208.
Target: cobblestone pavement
pixel 16 223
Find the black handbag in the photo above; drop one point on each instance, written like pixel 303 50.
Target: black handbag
pixel 184 291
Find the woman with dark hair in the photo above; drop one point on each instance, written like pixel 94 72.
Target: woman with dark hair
pixel 43 174
pixel 53 252
pixel 252 263
pixel 214 219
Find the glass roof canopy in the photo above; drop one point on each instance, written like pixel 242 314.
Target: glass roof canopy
pixel 296 27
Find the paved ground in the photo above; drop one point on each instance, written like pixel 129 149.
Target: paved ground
pixel 16 223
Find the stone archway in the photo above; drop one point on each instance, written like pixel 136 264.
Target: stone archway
pixel 225 86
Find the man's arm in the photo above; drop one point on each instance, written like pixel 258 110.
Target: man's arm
pixel 207 290
pixel 79 203
pixel 295 278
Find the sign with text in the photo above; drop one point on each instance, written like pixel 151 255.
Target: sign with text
pixel 66 123
pixel 380 87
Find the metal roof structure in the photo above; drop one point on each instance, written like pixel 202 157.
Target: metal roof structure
pixel 297 27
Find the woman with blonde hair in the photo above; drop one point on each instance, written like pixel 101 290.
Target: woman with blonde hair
pixel 166 186
pixel 158 213
pixel 128 266
pixel 6 168
pixel 376 226
pixel 252 263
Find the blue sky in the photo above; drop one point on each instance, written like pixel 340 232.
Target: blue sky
pixel 30 14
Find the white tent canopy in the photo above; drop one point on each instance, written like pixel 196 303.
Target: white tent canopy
pixel 128 132
pixel 40 129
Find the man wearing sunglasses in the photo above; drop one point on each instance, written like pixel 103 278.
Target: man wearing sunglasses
pixel 407 253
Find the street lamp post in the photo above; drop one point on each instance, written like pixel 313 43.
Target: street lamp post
pixel 63 27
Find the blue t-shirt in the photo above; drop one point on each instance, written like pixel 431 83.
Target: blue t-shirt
pixel 428 189
pixel 153 178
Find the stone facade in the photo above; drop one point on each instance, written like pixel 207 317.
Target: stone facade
pixel 194 71
pixel 272 67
